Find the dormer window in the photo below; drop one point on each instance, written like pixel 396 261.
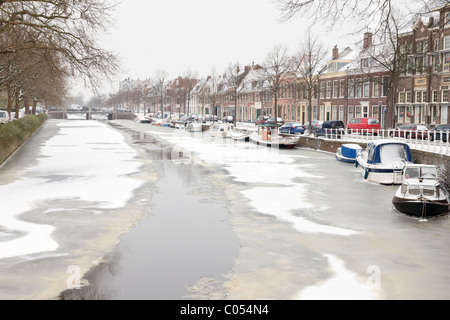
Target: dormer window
pixel 447 18
pixel 365 62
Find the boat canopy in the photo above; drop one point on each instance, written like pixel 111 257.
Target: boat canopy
pixel 388 151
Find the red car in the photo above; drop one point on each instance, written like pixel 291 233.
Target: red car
pixel 364 125
pixel 412 131
pixel 262 120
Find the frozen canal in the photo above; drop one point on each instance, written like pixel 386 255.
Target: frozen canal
pixel 144 212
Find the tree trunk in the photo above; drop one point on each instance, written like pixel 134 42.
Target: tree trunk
pixel 33 109
pixel 10 101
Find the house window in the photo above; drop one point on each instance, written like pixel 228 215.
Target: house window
pixel 357 111
pixel 358 90
pixel 401 97
pixel 335 110
pixel 341 113
pixel 436 44
pixel 436 62
pixel 444 115
pixel 376 112
pixel 385 86
pixel 446 62
pixel 408 97
pixel 329 90
pixel 447 18
pixel 447 43
pixel 435 96
pixel 417 114
pixel 322 113
pixel 445 95
pixel 418 96
pixel 351 114
pixel 376 88
pixel 322 90
pixel 342 94
pixel 366 87
pixel 351 88
pixel 419 47
pixel 365 62
pixel 335 89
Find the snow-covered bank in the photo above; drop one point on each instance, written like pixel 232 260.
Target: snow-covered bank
pixel 85 162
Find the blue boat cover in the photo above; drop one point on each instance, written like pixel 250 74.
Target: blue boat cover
pixel 392 150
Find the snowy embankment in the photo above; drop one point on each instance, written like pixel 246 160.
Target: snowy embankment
pixel 85 163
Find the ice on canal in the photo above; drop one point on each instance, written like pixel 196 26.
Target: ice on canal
pixel 276 188
pixel 90 165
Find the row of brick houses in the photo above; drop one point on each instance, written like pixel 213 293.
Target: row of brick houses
pixel 352 86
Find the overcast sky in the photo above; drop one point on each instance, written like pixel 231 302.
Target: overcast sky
pixel 177 35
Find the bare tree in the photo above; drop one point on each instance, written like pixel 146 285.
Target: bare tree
pixel 361 14
pixel 213 91
pixel 191 81
pixel 277 66
pixel 64 27
pixel 160 82
pixel 234 77
pixel 310 68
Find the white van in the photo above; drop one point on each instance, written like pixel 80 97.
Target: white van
pixel 4 118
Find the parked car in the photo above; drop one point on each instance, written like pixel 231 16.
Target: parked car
pixel 4 117
pixel 292 128
pixel 315 124
pixel 228 119
pixel 208 117
pixel 331 128
pixel 412 131
pixel 262 120
pixel 364 126
pixel 441 132
pixel 271 121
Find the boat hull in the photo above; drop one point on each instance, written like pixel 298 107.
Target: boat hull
pixel 387 175
pixel 341 158
pixel 274 144
pixel 421 209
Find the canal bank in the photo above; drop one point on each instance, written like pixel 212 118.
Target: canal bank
pixel 442 161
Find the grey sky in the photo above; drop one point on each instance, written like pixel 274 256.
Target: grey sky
pixel 176 35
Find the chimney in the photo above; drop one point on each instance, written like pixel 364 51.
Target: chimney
pixel 367 40
pixel 335 53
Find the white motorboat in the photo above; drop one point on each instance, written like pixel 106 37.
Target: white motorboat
pixel 268 135
pixel 221 130
pixel 383 161
pixel 421 194
pixel 348 152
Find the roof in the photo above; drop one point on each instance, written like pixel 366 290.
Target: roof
pixel 387 141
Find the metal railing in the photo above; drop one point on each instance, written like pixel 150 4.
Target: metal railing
pixel 413 138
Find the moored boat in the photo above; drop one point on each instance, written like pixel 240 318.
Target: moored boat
pixel 221 130
pixel 421 194
pixel 383 161
pixel 269 136
pixel 348 152
pixel 240 134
